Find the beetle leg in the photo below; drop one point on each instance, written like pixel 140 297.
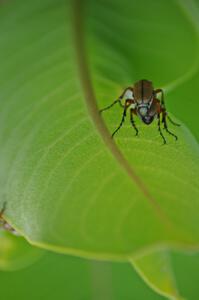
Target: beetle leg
pixel 120 103
pixel 117 101
pixel 160 131
pixel 172 122
pixel 121 123
pixel 107 107
pixel 127 103
pixel 162 97
pixel 166 127
pixel 164 107
pixel 122 96
pixel 133 123
pixel 128 88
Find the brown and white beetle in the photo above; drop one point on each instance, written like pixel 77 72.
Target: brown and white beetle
pixel 142 101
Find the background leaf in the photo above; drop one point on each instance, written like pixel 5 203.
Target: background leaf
pixel 16 253
pixel 157 271
pixel 74 278
pixel 61 276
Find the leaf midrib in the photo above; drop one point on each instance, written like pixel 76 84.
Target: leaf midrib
pixel 91 103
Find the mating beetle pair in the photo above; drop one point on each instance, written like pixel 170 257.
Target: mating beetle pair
pixel 142 101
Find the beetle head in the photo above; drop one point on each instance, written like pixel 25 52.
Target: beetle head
pixel 148 119
pixel 144 113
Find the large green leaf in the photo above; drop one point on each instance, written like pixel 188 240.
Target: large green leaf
pixel 68 186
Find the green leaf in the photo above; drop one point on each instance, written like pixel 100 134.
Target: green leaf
pixel 16 253
pixel 157 271
pixel 69 187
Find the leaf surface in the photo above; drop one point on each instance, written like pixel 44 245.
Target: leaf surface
pixel 69 187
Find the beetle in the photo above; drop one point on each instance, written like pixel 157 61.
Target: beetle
pixel 4 224
pixel 143 102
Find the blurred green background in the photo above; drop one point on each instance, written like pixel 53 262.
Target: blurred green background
pixel 57 276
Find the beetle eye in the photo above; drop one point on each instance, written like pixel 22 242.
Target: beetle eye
pixel 143 111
